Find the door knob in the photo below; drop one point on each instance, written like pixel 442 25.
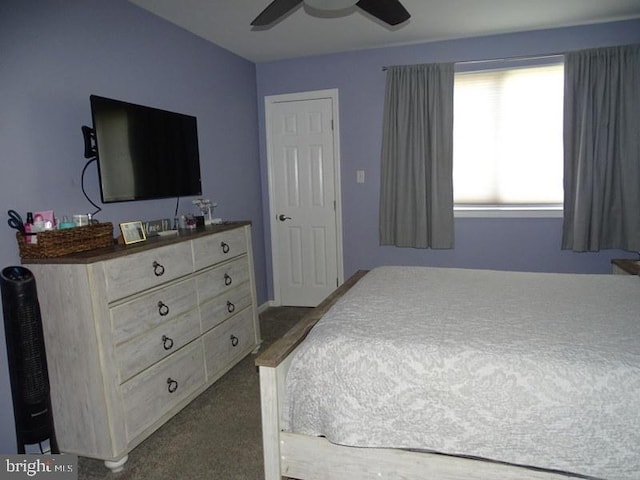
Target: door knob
pixel 283 217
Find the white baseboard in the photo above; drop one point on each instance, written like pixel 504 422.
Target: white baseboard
pixel 265 305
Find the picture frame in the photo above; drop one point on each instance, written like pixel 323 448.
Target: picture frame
pixel 132 232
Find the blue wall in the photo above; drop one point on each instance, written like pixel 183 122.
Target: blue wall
pixel 514 244
pixel 53 55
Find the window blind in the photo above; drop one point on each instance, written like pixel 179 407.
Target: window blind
pixel 508 136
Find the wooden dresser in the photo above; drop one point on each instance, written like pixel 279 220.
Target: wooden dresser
pixel 133 334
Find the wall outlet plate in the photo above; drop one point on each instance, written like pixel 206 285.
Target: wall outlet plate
pixel 154 227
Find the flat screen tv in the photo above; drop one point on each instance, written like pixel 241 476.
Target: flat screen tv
pixel 144 153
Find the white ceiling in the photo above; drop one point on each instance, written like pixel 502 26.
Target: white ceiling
pixel 305 32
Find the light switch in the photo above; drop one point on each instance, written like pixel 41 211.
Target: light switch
pixel 360 176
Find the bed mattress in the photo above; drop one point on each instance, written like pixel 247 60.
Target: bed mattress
pixel 532 369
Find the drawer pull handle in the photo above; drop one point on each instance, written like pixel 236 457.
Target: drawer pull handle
pixel 230 307
pixel 158 269
pixel 167 342
pixel 225 247
pixel 163 309
pixel 227 279
pixel 234 341
pixel 172 385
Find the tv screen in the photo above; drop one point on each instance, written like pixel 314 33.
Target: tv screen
pixel 144 153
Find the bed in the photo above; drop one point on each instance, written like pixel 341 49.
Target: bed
pixel 451 374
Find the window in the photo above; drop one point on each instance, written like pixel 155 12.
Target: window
pixel 508 149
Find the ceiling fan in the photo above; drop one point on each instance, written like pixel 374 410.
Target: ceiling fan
pixel 389 11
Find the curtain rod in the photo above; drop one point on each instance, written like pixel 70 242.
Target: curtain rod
pixel 504 59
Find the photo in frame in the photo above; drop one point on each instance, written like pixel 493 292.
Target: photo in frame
pixel 132 232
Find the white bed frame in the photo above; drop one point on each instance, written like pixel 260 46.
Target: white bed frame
pixel 291 455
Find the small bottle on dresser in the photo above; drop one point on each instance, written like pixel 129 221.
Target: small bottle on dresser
pixel 30 236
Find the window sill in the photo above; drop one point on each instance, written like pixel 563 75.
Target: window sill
pixel 507 212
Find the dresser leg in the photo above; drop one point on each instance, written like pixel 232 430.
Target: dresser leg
pixel 116 465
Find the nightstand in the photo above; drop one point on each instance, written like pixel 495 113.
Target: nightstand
pixel 625 266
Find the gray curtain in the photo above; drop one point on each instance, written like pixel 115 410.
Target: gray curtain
pixel 602 149
pixel 416 185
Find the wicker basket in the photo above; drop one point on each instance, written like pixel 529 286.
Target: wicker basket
pixel 56 243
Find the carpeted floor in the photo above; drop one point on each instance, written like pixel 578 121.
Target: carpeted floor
pixel 218 436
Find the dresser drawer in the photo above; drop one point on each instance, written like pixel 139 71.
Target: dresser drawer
pixel 152 394
pixel 221 279
pixel 227 343
pixel 225 306
pixel 145 350
pixel 143 313
pixel 134 273
pixel 217 248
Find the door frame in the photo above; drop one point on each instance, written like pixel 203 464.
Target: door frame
pixel 269 101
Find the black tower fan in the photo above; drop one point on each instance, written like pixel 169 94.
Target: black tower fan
pixel 27 359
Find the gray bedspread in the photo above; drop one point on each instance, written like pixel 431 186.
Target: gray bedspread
pixel 527 368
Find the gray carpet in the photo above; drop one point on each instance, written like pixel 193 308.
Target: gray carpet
pixel 218 436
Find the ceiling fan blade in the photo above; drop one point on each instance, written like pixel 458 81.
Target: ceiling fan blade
pixel 274 11
pixel 389 11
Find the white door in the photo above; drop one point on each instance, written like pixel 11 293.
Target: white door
pixel 304 193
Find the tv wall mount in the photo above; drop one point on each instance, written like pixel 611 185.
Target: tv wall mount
pixel 89 136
